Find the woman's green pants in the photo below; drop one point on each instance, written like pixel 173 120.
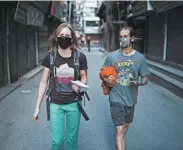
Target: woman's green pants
pixel 61 115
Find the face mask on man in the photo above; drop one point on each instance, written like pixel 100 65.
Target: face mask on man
pixel 125 42
pixel 64 42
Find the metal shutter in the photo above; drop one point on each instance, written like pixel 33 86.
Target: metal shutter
pixel 12 39
pixel 175 36
pixel 31 47
pixel 42 42
pixel 155 35
pixel 22 49
pixel 2 48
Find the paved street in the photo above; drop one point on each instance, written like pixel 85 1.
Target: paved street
pixel 158 123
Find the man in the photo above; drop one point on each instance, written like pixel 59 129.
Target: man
pixel 88 43
pixel 132 71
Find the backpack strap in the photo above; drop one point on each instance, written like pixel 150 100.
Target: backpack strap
pixel 52 56
pixel 76 61
pixel 52 63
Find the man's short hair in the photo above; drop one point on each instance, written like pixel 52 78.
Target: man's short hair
pixel 130 29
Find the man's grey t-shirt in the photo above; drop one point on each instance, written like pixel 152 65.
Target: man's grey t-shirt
pixel 128 68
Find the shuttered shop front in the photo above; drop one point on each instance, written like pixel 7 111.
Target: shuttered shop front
pixel 175 35
pixel 22 49
pixel 2 48
pixel 31 47
pixel 42 41
pixel 155 35
pixel 13 51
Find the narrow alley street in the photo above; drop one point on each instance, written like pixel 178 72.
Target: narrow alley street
pixel 157 123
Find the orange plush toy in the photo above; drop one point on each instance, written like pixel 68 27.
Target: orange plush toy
pixel 108 75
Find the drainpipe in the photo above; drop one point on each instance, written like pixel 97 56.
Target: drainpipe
pixel 70 11
pixel 7 47
pixel 146 34
pixel 36 43
pixel 119 13
pixel 165 38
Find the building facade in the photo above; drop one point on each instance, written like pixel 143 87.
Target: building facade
pixel 158 35
pixel 24 30
pixel 87 22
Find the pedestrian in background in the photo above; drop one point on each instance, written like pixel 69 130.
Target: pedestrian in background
pixel 88 43
pixel 132 70
pixel 63 94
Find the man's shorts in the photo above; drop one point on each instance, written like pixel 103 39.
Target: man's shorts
pixel 121 114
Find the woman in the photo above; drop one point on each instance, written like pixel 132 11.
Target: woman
pixel 63 94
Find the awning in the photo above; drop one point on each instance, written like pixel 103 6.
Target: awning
pixel 59 10
pixel 101 11
pixel 139 9
pixel 161 6
pixel 31 13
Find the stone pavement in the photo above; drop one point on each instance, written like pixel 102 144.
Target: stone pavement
pixel 157 124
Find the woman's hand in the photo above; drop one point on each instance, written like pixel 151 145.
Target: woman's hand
pixel 75 88
pixel 36 114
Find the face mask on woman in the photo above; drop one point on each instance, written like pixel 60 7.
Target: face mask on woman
pixel 64 42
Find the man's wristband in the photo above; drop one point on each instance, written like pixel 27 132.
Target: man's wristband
pixel 142 81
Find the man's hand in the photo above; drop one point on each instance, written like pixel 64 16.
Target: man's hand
pixel 134 83
pixel 143 81
pixel 110 81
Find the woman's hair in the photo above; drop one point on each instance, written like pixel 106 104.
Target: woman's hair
pixel 130 29
pixel 52 39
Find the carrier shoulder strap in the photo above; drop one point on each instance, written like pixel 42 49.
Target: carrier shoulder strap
pixel 52 56
pixel 76 61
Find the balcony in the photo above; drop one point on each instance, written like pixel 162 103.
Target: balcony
pixel 138 8
pixel 161 6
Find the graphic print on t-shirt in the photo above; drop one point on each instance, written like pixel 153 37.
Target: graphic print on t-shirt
pixel 127 72
pixel 64 74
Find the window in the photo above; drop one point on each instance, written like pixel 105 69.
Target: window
pixel 92 23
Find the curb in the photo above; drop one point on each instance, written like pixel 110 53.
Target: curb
pixel 102 50
pixel 8 89
pixel 31 74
